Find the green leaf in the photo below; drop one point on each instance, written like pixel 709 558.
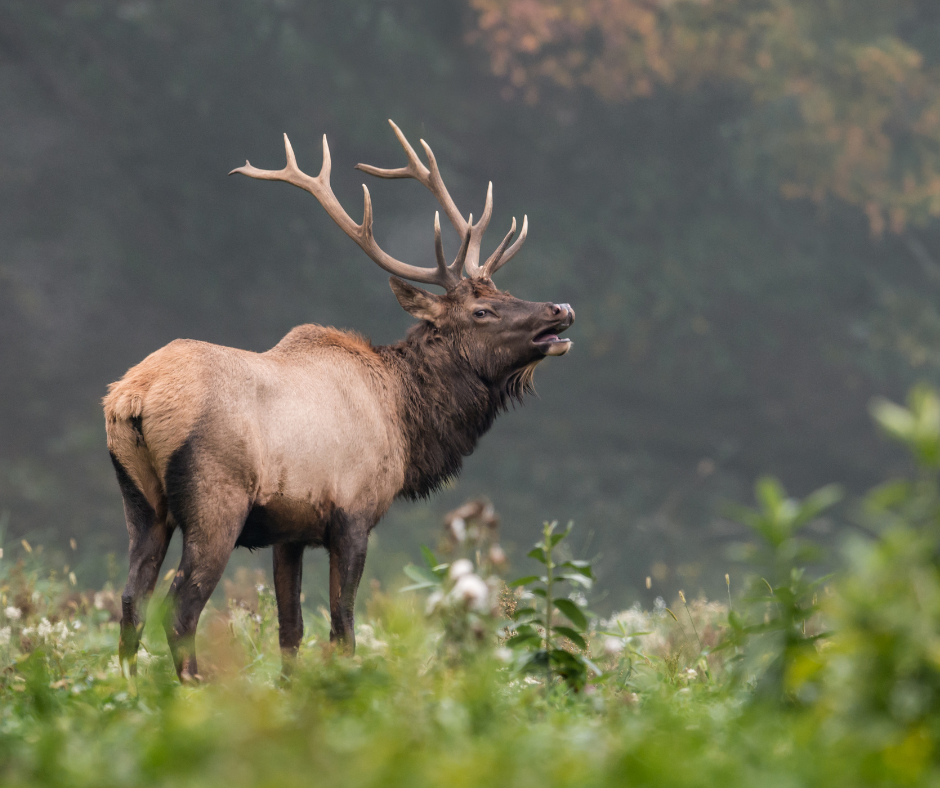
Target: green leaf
pixel 519 641
pixel 572 612
pixel 556 538
pixel 817 502
pixel 539 555
pixel 577 579
pixel 519 612
pixel 429 557
pixel 573 636
pixel 539 592
pixel 422 576
pixel 581 567
pixel 524 581
pixel 597 671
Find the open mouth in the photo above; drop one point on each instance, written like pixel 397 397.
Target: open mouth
pixel 551 344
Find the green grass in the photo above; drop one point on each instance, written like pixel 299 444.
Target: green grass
pixel 807 681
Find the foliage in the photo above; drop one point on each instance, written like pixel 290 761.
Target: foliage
pixel 776 636
pixel 744 695
pixel 536 630
pixel 839 102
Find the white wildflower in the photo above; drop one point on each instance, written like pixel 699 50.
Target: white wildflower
pixel 76 625
pixel 578 598
pixel 460 568
pixel 503 654
pixel 691 674
pixel 5 636
pixel 45 628
pixel 144 657
pixel 62 630
pixel 614 646
pixel 27 631
pixel 458 529
pixel 13 613
pixel 497 555
pixel 473 592
pixel 365 637
pixel 99 600
pixel 434 600
pixel 260 588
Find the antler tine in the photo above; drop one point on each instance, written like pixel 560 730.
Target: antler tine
pixel 511 251
pixel 429 178
pixel 491 264
pixel 438 243
pixel 457 265
pixel 439 190
pixel 415 168
pixel 472 263
pixel 320 188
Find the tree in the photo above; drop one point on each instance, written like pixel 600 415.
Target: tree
pixel 839 102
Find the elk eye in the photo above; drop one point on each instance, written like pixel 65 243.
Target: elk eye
pixel 482 313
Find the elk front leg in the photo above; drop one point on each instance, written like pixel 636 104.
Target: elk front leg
pixel 348 542
pixel 288 570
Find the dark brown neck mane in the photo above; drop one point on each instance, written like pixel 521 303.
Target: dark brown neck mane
pixel 447 406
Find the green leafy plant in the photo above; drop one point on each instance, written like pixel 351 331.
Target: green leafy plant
pixel 539 626
pixel 775 636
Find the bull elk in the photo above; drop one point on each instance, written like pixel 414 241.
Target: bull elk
pixel 308 444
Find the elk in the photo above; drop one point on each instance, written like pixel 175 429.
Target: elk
pixel 307 444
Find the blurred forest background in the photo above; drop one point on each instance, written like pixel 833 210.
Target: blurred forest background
pixel 740 198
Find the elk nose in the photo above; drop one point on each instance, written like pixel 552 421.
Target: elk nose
pixel 563 309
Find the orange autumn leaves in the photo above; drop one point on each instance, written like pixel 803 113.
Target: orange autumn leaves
pixel 838 104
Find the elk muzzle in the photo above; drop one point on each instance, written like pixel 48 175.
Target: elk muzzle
pixel 548 341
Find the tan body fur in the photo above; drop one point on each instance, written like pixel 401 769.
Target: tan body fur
pixel 314 418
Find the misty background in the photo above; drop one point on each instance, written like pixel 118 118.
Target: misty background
pixel 729 324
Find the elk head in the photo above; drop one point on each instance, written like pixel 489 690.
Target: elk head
pixel 494 332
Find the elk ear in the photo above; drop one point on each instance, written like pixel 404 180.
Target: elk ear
pixel 415 301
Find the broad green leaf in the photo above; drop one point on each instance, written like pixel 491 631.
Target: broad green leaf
pixel 518 641
pixel 572 612
pixel 817 502
pixel 524 581
pixel 421 575
pixel 578 579
pixel 539 555
pixel 581 567
pixel 573 636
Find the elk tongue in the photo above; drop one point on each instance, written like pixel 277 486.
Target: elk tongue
pixel 552 344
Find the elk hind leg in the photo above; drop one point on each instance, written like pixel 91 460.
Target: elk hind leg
pixel 210 523
pixel 149 535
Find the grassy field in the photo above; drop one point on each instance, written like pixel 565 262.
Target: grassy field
pixel 797 680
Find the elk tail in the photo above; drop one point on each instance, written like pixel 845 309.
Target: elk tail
pixel 123 415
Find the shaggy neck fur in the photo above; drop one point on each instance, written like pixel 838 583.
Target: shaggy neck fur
pixel 446 405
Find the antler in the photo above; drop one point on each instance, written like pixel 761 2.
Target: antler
pixel 447 276
pixel 444 275
pixel 431 179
